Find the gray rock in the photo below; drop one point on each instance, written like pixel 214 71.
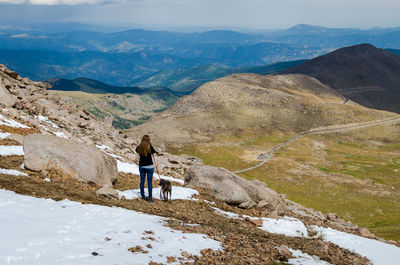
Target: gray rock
pixel 85 163
pixel 16 137
pixel 107 191
pixel 229 187
pixel 12 74
pixel 6 98
pixel 284 253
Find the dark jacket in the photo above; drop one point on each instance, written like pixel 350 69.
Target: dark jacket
pixel 146 160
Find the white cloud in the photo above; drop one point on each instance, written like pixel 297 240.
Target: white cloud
pixel 61 2
pixel 12 1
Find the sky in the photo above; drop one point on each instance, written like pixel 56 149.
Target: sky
pixel 257 14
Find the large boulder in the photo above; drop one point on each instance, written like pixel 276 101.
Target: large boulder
pixel 85 163
pixel 229 187
pixel 6 99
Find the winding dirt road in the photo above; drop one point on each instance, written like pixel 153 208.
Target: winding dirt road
pixel 320 130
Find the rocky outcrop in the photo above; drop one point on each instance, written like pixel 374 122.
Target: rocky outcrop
pixel 6 99
pixel 229 187
pixel 80 161
pixel 176 165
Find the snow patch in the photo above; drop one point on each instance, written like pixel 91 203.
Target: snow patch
pixel 127 168
pixel 178 193
pixel 43 231
pixel 11 123
pixel 134 169
pixel 41 118
pixel 12 172
pixel 4 135
pixel 378 252
pixel 103 147
pixel 46 119
pixel 228 214
pixel 287 226
pixel 11 150
pixel 301 258
pixel 60 134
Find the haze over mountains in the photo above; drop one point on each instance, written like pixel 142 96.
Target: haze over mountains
pixel 42 54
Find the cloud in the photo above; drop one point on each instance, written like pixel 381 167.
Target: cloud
pixel 12 1
pixel 61 2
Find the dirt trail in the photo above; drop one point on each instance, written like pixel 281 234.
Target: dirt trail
pixel 320 130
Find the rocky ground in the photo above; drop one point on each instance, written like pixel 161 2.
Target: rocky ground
pixel 28 104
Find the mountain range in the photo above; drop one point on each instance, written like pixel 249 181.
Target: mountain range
pixel 128 57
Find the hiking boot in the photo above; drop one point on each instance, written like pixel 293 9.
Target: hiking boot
pixel 149 199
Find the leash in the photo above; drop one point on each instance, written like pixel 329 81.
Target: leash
pixel 155 165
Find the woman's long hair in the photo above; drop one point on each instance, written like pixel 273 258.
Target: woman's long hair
pixel 143 148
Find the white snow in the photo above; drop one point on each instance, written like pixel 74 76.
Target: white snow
pixel 12 172
pixel 4 135
pixel 11 123
pixel 301 258
pixel 45 127
pixel 127 168
pixel 228 214
pixel 103 147
pixel 60 134
pixel 43 231
pixel 41 118
pixel 11 150
pixel 45 119
pixel 376 251
pixel 287 225
pixel 134 169
pixel 178 193
pixel 112 155
pixel 47 180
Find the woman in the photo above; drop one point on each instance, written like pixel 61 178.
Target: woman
pixel 146 167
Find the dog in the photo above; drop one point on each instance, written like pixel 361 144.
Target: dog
pixel 166 188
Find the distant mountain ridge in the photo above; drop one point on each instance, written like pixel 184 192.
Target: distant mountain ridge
pixel 127 57
pixel 185 80
pixel 365 74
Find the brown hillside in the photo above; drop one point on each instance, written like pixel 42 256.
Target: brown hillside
pixel 363 73
pixel 256 103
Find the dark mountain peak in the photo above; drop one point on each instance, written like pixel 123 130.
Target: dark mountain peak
pixel 368 75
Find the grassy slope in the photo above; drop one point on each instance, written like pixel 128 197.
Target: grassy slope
pixel 354 174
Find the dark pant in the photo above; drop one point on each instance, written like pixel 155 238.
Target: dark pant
pixel 149 172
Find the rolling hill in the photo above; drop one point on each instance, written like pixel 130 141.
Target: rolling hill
pixel 249 102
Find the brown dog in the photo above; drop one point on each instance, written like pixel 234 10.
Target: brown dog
pixel 166 188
